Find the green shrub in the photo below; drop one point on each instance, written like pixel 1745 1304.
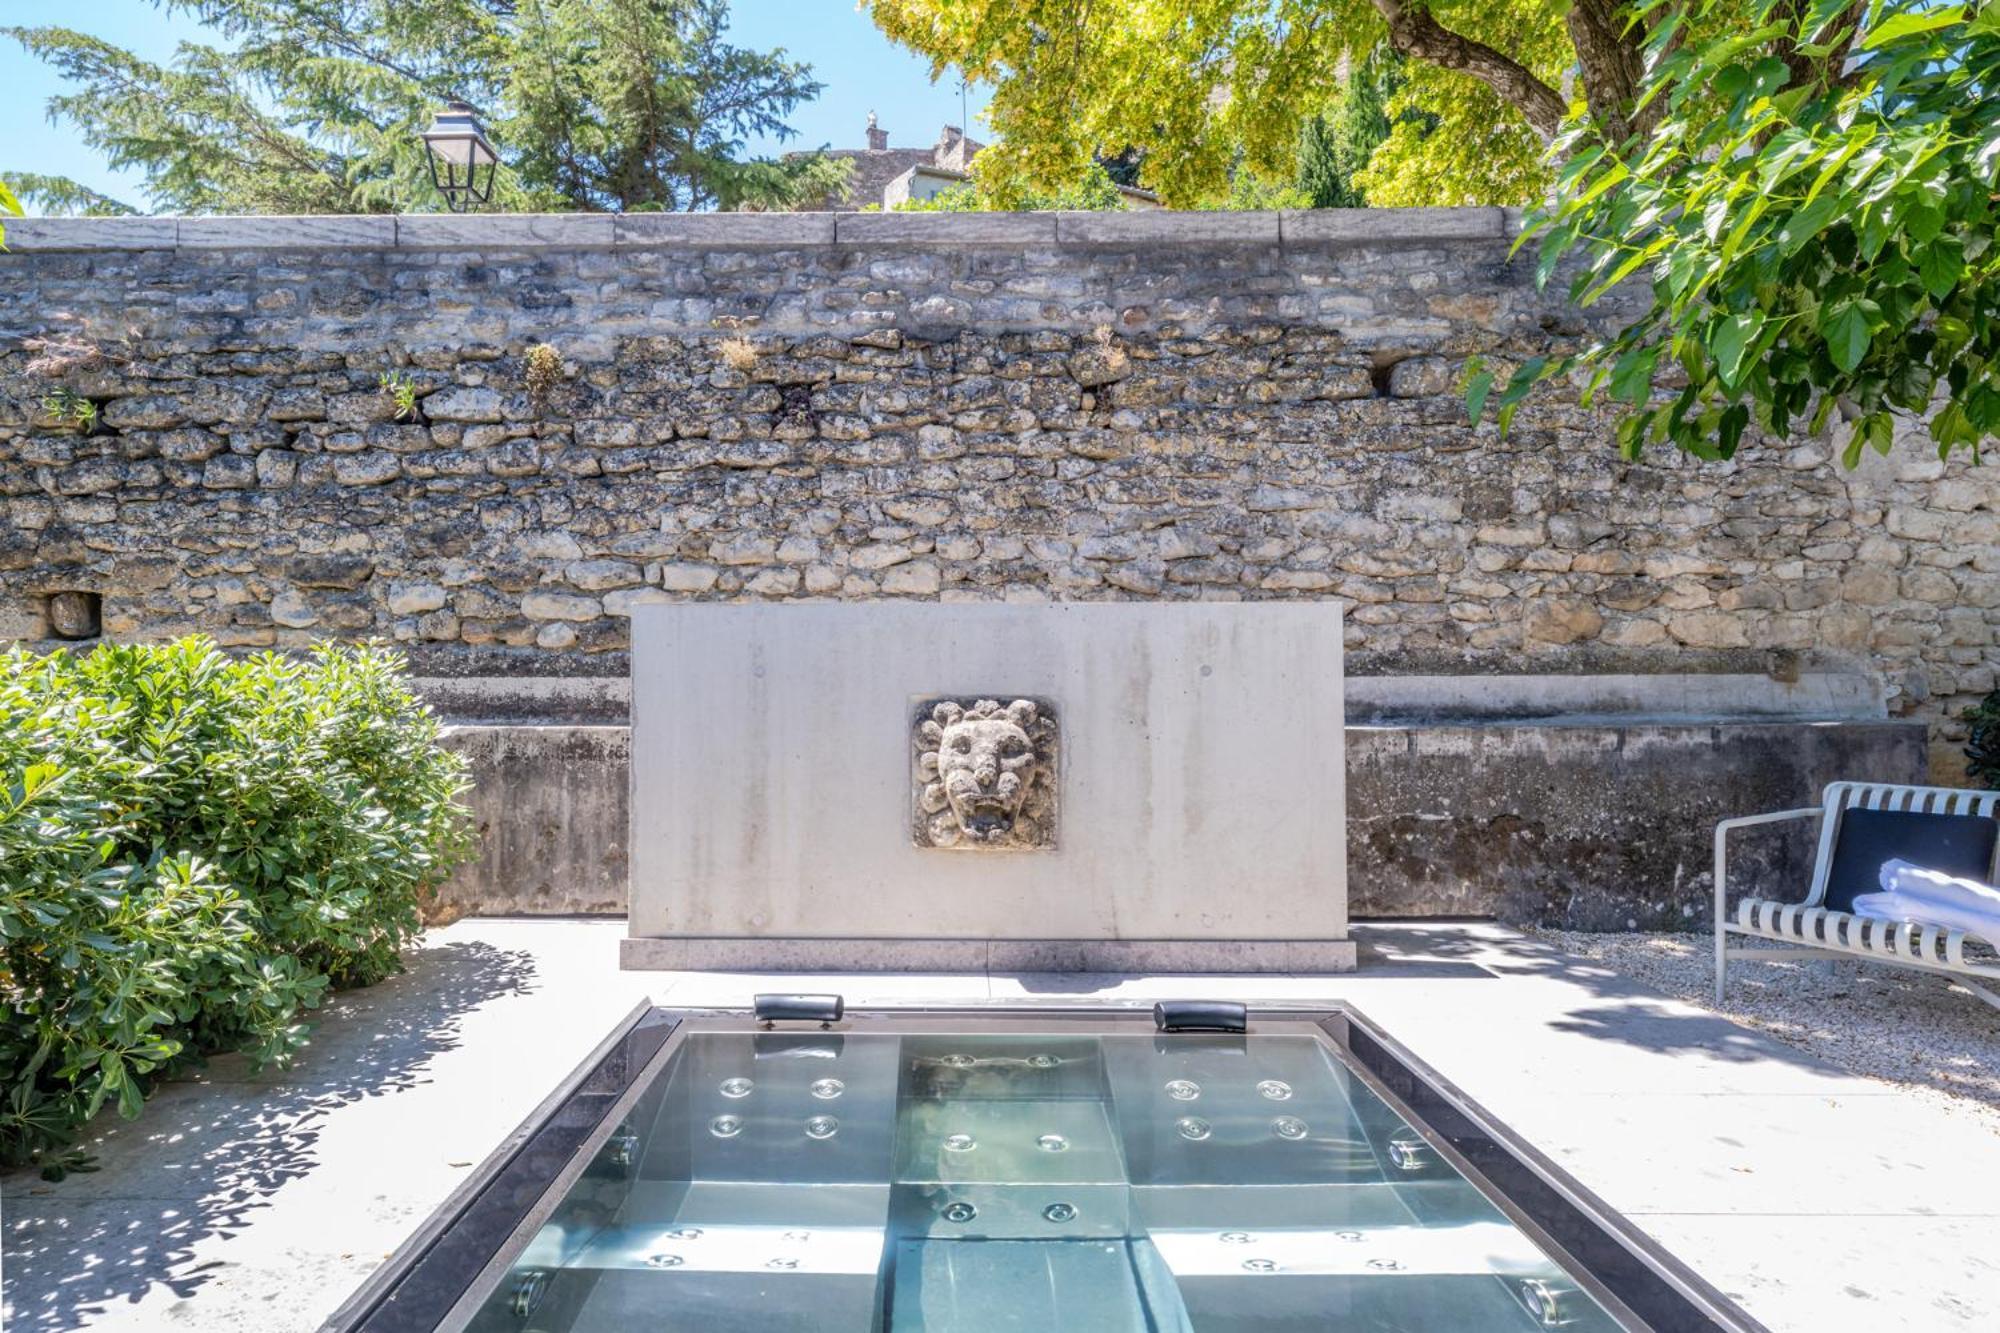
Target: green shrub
pixel 1982 743
pixel 192 848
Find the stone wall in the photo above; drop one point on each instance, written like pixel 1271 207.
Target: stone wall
pixel 925 406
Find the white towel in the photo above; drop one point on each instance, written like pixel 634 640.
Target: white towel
pixel 1930 898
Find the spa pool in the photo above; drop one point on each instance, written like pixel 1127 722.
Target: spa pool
pixel 975 1171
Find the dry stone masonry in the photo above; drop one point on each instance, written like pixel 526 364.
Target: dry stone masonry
pixel 945 407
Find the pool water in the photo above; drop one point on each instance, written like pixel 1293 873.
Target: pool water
pixel 984 1182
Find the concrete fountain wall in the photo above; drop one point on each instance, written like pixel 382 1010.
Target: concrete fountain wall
pixel 1178 806
pixel 952 408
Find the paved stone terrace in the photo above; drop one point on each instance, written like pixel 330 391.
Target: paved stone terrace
pixel 1817 1199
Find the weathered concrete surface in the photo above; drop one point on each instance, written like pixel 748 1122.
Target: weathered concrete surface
pixel 550 806
pixel 1592 826
pixel 240 1204
pixel 1200 781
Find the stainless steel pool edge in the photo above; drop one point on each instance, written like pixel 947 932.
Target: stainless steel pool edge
pixel 504 1256
pixel 1712 1305
pixel 352 1315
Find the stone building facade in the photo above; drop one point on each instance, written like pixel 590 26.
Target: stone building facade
pixel 945 406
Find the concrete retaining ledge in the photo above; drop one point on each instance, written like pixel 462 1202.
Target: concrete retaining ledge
pixel 1594 826
pixel 550 810
pixel 1602 826
pixel 1371 227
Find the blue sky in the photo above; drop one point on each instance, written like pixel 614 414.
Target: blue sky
pixel 862 71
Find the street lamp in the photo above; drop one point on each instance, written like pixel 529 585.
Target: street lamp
pixel 463 163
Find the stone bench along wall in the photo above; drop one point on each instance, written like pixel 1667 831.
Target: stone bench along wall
pixel 926 406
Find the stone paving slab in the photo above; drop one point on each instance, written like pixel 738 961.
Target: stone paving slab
pixel 1855 1284
pixel 247 1202
pixel 1807 1156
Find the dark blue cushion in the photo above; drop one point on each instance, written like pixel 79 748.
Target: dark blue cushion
pixel 1960 845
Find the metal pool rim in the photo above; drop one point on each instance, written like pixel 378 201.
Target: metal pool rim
pixel 450 1264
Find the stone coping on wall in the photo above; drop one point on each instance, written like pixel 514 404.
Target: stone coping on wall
pixel 1370 227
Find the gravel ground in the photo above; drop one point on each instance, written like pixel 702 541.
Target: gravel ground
pixel 1908 1028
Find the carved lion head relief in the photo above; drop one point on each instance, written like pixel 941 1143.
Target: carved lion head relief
pixel 985 775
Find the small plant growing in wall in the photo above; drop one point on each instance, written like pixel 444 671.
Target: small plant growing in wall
pixel 543 371
pixel 57 355
pixel 71 409
pixel 739 354
pixel 401 391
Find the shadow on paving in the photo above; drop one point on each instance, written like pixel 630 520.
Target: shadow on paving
pixel 1635 1013
pixel 209 1152
pixel 1632 1012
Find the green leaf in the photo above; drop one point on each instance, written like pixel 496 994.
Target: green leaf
pixel 1847 334
pixel 1631 437
pixel 1987 164
pixel 1881 432
pixel 1940 266
pixel 1922 223
pixel 1631 265
pixel 1729 430
pixel 1477 385
pixel 1805 224
pixel 1909 23
pixel 1632 376
pixel 1733 336
pixel 1784 155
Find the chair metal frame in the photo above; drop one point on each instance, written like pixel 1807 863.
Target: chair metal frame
pixel 1808 929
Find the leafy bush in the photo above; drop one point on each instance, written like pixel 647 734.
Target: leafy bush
pixel 192 849
pixel 1982 743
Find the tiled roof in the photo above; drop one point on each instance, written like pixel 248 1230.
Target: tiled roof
pixel 874 168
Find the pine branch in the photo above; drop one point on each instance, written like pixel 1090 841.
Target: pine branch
pixel 61 197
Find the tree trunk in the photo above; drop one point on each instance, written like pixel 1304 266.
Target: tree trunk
pixel 1612 62
pixel 1609 49
pixel 1414 32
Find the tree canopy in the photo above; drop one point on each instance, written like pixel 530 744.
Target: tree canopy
pixel 313 106
pixel 1814 203
pixel 1201 85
